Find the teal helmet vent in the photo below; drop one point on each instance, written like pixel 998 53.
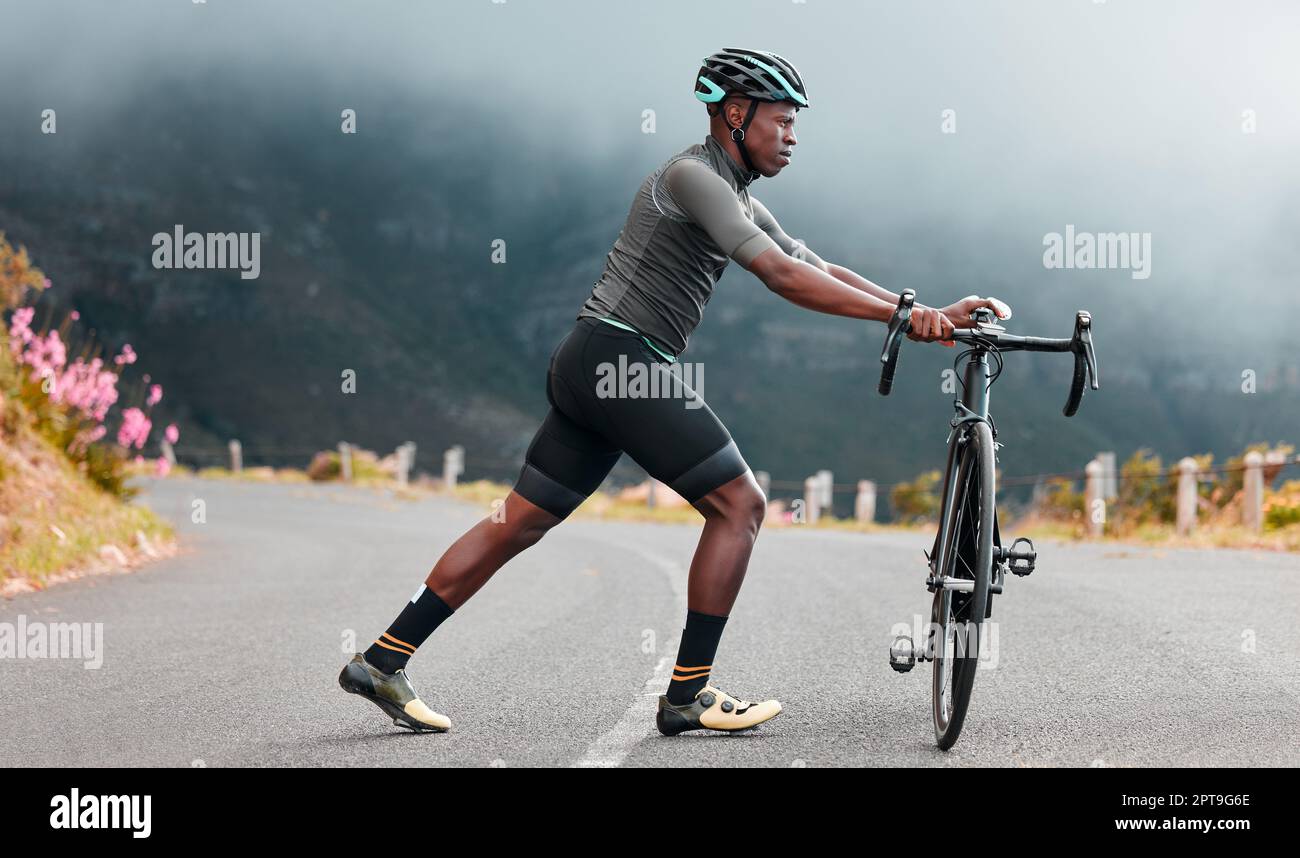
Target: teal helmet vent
pixel 760 75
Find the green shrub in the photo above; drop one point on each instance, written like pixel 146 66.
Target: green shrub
pixel 1282 507
pixel 1061 501
pixel 916 501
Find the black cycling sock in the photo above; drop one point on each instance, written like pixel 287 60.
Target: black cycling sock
pixel 695 656
pixel 424 613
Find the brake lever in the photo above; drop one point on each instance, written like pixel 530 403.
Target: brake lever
pixel 1085 362
pixel 899 324
pixel 1084 321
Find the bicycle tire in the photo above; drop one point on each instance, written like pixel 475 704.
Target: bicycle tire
pixel 970 554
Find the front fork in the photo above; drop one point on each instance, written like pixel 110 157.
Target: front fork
pixel 903 654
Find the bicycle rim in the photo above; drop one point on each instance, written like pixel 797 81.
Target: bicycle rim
pixel 970 556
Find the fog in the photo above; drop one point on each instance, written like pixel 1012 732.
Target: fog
pixel 1110 116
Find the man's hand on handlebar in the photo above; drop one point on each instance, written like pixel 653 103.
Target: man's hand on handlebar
pixel 929 325
pixel 959 311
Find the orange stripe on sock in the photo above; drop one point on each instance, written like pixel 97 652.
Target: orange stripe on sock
pixel 681 678
pixel 393 648
pixel 396 641
pixel 681 669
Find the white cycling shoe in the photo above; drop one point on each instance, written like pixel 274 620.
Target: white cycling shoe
pixel 713 710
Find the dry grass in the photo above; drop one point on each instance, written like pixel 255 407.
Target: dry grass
pixel 250 475
pixel 852 525
pixel 605 506
pixel 1206 535
pixel 55 523
pixel 598 506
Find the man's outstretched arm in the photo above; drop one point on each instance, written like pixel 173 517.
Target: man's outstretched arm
pixel 928 323
pixel 712 204
pixel 809 286
pixel 812 288
pixel 804 278
pixel 784 265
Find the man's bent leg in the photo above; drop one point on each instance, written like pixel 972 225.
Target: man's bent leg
pixel 680 441
pixel 733 513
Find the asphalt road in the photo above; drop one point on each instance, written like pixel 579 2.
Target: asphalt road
pixel 228 654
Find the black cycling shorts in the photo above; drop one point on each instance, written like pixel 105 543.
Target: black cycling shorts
pixel 589 427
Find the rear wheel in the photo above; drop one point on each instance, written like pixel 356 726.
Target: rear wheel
pixel 957 622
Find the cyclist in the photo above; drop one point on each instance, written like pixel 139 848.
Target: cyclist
pixel 688 220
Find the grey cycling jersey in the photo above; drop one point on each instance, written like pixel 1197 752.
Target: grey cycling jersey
pixel 690 217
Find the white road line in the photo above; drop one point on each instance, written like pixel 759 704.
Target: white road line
pixel 638 721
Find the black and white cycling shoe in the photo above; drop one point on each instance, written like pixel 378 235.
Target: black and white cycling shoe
pixel 713 710
pixel 392 693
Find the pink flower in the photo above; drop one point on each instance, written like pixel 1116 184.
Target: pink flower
pixel 107 395
pixel 20 330
pixel 171 433
pixel 45 355
pixel 126 357
pixel 134 430
pixel 75 315
pixel 155 394
pixel 163 467
pixel 55 351
pixel 87 388
pixel 48 284
pixel 22 318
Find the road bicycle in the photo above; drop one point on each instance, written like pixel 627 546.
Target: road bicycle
pixel 968 563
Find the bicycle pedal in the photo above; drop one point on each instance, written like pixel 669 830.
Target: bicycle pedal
pixel 902 655
pixel 1021 561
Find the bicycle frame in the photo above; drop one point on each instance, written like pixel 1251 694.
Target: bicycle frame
pixel 973 406
pixel 952 678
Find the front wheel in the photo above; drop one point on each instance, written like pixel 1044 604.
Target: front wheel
pixel 969 556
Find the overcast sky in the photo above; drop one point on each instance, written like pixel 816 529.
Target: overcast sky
pixel 1115 116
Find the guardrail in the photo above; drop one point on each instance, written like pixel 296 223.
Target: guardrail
pixel 816 493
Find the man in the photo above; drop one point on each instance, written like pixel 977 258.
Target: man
pixel 689 219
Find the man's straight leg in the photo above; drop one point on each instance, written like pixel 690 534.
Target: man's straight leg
pixel 564 463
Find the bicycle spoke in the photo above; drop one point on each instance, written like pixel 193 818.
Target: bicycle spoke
pixel 962 546
pixel 944 655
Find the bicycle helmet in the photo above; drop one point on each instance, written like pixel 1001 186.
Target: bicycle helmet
pixel 756 75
